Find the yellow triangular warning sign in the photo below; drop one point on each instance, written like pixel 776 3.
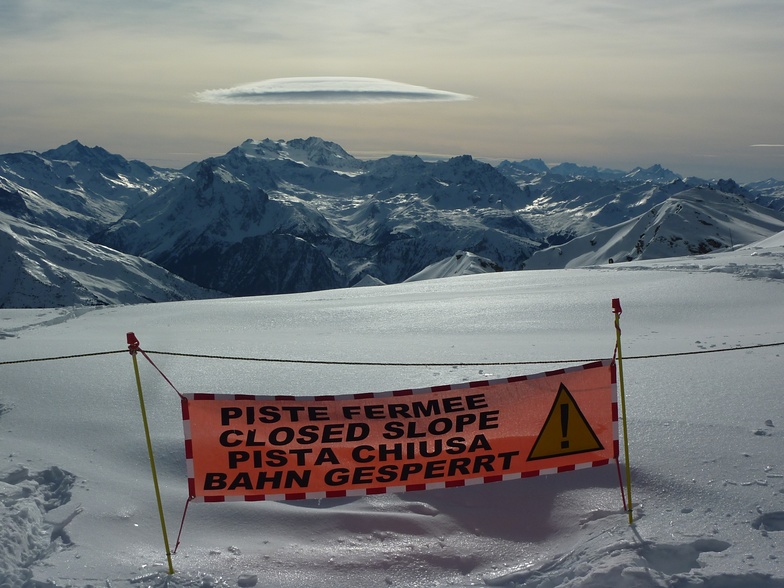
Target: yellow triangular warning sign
pixel 565 432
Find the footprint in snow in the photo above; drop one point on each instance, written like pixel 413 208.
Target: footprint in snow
pixel 771 521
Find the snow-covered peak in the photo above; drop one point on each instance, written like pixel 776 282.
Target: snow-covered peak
pixel 695 221
pixel 212 201
pixel 306 210
pixel 100 160
pixel 366 281
pixel 768 193
pixel 655 173
pixel 537 166
pixel 311 152
pixel 462 263
pixel 770 183
pixel 464 182
pixel 77 151
pixel 387 167
pixel 730 186
pixel 50 268
pixel 77 188
pixel 574 170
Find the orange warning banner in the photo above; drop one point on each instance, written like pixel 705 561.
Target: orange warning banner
pixel 285 448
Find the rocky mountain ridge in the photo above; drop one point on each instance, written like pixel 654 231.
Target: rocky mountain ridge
pixel 274 217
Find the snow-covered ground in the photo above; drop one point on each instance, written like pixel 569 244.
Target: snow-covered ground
pixel 77 506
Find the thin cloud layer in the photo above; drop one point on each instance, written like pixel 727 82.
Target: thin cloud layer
pixel 326 90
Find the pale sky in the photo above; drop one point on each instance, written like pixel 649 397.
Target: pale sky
pixel 695 85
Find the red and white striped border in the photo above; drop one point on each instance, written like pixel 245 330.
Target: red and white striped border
pixel 409 392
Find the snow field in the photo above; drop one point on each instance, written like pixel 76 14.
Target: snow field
pixel 705 440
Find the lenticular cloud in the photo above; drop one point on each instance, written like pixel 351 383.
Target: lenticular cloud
pixel 326 90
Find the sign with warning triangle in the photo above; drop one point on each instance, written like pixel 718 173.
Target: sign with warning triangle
pixel 565 431
pixel 516 427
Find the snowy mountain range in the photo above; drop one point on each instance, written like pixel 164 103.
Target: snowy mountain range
pixel 82 226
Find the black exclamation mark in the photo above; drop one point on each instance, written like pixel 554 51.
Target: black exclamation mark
pixel 564 425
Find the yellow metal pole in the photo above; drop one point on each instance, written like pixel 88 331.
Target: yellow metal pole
pixel 133 346
pixel 616 304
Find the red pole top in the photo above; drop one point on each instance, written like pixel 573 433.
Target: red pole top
pixel 133 342
pixel 616 306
